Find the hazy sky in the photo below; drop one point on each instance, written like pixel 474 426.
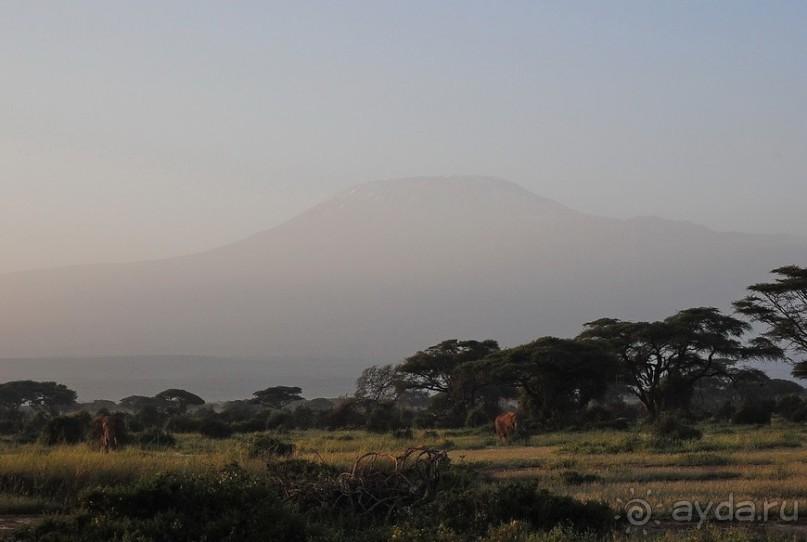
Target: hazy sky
pixel 133 130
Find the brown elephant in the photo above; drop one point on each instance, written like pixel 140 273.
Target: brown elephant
pixel 506 424
pixel 109 427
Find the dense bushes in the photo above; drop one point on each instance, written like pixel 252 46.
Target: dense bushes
pixel 229 505
pixel 481 415
pixel 382 418
pixel 460 504
pixel 215 428
pixel 267 446
pixel 66 429
pixel 475 509
pixel 239 418
pixel 792 408
pixel 754 412
pixel 154 439
pixel 670 427
pixel 543 510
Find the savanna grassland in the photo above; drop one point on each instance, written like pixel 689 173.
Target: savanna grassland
pixel 729 464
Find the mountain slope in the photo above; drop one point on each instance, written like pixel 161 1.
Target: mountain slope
pixel 384 269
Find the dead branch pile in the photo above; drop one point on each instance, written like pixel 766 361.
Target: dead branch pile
pixel 378 484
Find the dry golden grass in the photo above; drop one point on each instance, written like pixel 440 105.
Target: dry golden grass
pixel 60 472
pixel 756 464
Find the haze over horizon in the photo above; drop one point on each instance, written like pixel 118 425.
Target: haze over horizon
pixel 368 276
pixel 140 131
pixel 214 144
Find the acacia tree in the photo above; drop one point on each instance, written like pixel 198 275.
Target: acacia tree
pixel 148 411
pixel 662 361
pixel 179 400
pixel 558 376
pixel 782 306
pixel 448 369
pixel 377 384
pixel 44 397
pixel 136 403
pixel 278 396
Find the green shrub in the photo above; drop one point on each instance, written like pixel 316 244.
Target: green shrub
pixel 404 433
pixel 792 408
pixel 472 509
pixel 618 424
pixel 229 505
pixel 725 412
pixel 252 425
pixel 424 420
pixel 597 413
pixel 754 412
pixel 211 427
pixel 480 416
pixel 148 417
pixel 34 424
pixel 542 509
pixel 280 419
pixel 304 417
pixel 670 427
pixel 302 470
pixel 382 418
pixel 306 483
pixel 154 439
pixel 267 446
pixel 10 427
pixel 182 424
pixel 66 429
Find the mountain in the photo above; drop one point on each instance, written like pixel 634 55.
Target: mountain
pixel 382 270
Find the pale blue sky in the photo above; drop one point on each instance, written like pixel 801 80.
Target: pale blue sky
pixel 134 130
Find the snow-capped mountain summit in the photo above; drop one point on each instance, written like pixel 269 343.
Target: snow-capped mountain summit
pixel 383 269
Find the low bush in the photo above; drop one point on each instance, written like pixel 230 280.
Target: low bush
pixel 154 439
pixel 755 412
pixel 214 428
pixel 382 418
pixel 792 408
pixel 299 471
pixel 66 429
pixel 252 425
pixel 182 424
pixel 481 415
pixel 304 417
pixel 670 427
pixel 267 446
pixel 228 505
pixel 473 511
pixel 404 433
pixel 425 420
pixel 280 419
pixel 10 427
